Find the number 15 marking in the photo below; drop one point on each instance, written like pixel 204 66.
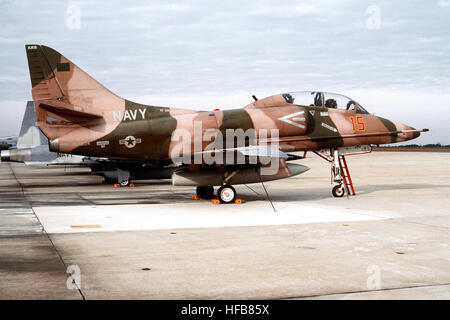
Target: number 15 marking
pixel 360 122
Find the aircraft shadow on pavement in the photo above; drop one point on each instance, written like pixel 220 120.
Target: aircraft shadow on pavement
pixel 167 194
pixel 324 193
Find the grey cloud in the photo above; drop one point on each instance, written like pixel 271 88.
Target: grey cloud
pixel 225 47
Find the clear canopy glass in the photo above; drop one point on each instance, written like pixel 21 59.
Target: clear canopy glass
pixel 323 99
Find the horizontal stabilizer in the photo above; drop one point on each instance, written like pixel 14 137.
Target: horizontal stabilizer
pixel 70 112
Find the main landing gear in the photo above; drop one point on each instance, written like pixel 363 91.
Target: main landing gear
pixel 205 192
pixel 118 177
pixel 124 183
pixel 225 194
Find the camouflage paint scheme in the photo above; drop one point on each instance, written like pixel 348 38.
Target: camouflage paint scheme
pixel 80 116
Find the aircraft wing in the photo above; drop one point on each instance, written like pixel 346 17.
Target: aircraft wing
pixel 71 160
pixel 263 154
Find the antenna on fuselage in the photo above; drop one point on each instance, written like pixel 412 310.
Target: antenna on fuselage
pixel 265 190
pixel 254 98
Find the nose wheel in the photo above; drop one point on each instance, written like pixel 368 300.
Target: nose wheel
pixel 226 194
pixel 340 173
pixel 338 191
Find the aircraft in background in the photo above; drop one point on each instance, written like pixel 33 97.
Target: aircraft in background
pixel 8 142
pixel 33 149
pixel 80 116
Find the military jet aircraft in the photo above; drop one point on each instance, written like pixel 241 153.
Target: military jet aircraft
pixel 219 147
pixel 8 142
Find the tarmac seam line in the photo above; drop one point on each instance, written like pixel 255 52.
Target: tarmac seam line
pixel 365 291
pixel 44 231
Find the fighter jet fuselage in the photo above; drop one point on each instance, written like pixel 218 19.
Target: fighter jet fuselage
pixel 150 133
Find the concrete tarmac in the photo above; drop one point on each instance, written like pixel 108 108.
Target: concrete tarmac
pixel 390 241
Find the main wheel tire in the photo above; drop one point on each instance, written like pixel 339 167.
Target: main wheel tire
pixel 124 183
pixel 209 193
pixel 226 194
pixel 338 191
pixel 205 192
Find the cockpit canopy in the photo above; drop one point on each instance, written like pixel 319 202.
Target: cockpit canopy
pixel 323 99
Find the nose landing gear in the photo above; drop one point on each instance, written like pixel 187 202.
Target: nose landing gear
pixel 340 174
pixel 338 191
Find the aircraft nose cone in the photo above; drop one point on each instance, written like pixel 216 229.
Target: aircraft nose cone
pixel 405 135
pixel 414 134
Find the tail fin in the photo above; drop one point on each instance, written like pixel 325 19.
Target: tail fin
pixel 63 92
pixel 30 136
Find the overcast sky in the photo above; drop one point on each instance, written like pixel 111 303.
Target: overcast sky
pixel 393 57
